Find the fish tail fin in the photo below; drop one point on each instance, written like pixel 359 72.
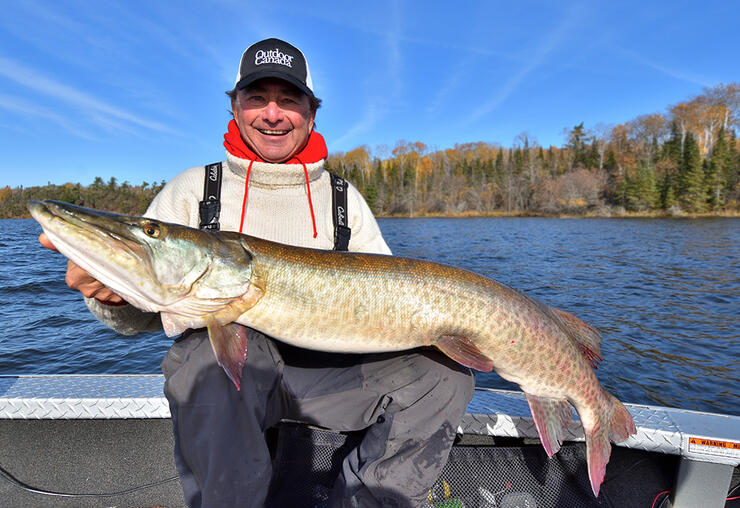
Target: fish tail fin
pixel 598 448
pixel 585 335
pixel 551 417
pixel 229 343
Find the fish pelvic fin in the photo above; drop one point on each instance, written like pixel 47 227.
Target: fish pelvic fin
pixel 585 335
pixel 229 343
pixel 621 425
pixel 598 449
pixel 464 351
pixel 551 417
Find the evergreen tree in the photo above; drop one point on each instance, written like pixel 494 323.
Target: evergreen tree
pixel 691 177
pixel 576 145
pixel 518 161
pixel 612 181
pixel 733 169
pixel 716 174
pixel 592 158
pixel 640 191
pixel 668 192
pixel 499 164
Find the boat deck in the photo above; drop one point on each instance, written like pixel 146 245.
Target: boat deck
pixel 133 407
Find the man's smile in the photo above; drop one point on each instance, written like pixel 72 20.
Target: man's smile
pixel 273 132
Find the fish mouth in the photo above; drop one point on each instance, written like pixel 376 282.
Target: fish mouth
pixel 100 242
pixel 108 226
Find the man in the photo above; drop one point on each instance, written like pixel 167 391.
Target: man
pixel 274 186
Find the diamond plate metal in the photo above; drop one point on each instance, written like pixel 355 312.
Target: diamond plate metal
pixel 82 397
pixel 491 412
pixel 659 429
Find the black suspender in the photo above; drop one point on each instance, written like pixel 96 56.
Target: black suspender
pixel 342 231
pixel 210 207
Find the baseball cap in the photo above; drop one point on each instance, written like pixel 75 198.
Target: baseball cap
pixel 273 58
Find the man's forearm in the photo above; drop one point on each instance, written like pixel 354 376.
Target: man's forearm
pixel 124 319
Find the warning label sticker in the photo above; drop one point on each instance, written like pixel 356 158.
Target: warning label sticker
pixel 714 447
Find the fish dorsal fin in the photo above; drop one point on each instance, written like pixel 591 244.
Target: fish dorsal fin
pixel 462 350
pixel 587 337
pixel 551 417
pixel 229 343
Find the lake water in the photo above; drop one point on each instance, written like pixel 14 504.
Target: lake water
pixel 665 295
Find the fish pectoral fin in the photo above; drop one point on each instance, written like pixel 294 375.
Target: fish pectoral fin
pixel 229 343
pixel 464 351
pixel 551 417
pixel 172 324
pixel 239 306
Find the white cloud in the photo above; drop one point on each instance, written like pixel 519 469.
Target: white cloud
pixel 90 105
pixel 541 53
pixel 21 107
pixel 680 75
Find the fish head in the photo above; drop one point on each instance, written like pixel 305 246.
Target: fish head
pixel 154 265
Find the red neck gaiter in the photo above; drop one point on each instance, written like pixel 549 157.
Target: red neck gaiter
pixel 314 151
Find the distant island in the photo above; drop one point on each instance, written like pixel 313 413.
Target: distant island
pixel 683 162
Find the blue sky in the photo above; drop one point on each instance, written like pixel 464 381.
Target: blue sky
pixel 135 89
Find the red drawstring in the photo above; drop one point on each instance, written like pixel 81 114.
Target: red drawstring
pixel 308 189
pixel 246 190
pixel 310 203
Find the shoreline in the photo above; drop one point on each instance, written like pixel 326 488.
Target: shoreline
pixel 659 214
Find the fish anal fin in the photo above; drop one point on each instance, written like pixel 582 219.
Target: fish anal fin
pixel 464 351
pixel 587 337
pixel 551 417
pixel 229 343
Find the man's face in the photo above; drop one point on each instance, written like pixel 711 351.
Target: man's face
pixel 274 118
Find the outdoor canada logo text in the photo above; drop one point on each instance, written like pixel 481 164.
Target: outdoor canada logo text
pixel 274 56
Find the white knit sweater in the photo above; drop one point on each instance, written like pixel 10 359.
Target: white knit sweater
pixel 277 209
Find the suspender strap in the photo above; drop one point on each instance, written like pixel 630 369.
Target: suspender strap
pixel 210 207
pixel 342 232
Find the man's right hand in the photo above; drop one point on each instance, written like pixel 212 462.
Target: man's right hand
pixel 79 279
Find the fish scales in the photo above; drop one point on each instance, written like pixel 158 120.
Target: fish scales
pixel 347 302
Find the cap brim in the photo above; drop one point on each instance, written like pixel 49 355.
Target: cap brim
pixel 274 74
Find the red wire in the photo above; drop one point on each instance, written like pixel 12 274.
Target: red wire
pixel 668 492
pixel 246 189
pixel 656 497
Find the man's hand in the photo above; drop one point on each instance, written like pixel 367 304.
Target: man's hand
pixel 79 279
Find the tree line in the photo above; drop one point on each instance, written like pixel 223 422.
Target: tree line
pixel 685 160
pixel 123 197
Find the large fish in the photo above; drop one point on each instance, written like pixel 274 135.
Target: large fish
pixel 347 302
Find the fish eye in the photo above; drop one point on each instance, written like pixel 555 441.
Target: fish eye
pixel 151 229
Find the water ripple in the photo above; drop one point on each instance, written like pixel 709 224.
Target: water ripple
pixel 664 294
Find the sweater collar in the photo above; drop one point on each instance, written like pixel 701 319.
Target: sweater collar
pixel 266 174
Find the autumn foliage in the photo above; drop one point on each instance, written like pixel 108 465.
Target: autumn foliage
pixel 684 160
